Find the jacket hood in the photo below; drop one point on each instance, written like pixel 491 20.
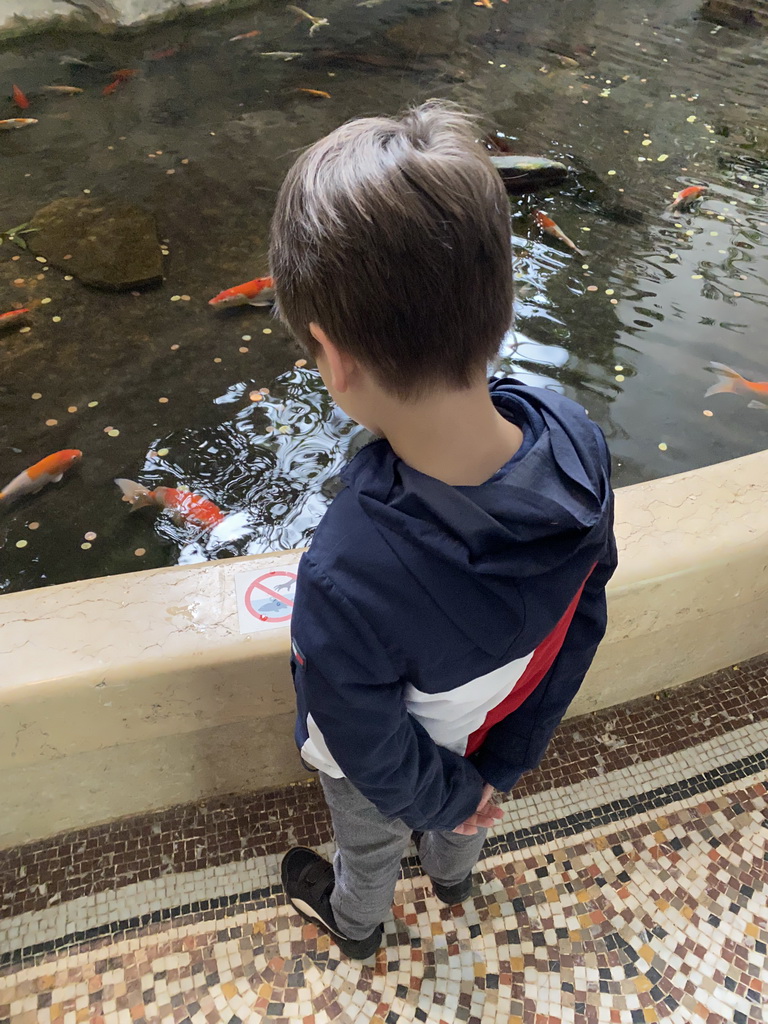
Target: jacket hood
pixel 549 506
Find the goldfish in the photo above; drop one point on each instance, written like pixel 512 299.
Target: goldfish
pixel 62 90
pixel 547 224
pixel 171 51
pixel 12 316
pixel 731 382
pixel 316 22
pixel 19 98
pixel 184 504
pixel 109 89
pixel 47 471
pixel 245 35
pixel 687 197
pixel 317 93
pixel 483 3
pixel 259 292
pixel 16 122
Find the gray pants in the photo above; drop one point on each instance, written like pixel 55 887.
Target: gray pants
pixel 367 859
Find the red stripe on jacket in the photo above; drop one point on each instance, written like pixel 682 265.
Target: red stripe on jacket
pixel 537 668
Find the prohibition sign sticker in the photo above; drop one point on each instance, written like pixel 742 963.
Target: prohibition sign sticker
pixel 265 599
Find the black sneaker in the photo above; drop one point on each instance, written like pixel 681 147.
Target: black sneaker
pixel 450 894
pixel 308 881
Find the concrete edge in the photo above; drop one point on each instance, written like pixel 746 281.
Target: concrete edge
pixel 132 693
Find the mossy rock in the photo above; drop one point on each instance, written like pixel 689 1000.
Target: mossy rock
pixel 109 244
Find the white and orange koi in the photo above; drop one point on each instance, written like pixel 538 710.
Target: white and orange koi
pixel 259 292
pixel 9 123
pixel 47 471
pixel 731 382
pixel 547 224
pixel 187 506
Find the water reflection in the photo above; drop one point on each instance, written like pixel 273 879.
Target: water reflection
pixel 268 467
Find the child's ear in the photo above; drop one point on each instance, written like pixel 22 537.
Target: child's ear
pixel 337 368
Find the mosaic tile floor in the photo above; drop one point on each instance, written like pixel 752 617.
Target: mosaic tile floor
pixel 628 881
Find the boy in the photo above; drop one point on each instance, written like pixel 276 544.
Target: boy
pixel 454 594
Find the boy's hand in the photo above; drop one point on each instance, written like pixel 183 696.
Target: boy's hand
pixel 485 815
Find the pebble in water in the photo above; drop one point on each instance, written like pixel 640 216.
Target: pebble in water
pixel 662 447
pixel 299 363
pixel 86 546
pixel 707 412
pixel 33 526
pixel 90 535
pixel 51 423
pixel 21 543
pixel 139 552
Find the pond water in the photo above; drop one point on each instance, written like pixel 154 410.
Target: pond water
pixel 640 100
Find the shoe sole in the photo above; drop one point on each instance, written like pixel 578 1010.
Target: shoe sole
pixel 311 916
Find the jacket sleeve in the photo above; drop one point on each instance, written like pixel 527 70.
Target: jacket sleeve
pixel 518 743
pixel 349 686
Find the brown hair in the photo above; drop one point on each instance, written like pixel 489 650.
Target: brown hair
pixel 394 236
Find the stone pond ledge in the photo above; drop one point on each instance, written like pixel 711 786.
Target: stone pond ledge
pixel 132 693
pixel 20 16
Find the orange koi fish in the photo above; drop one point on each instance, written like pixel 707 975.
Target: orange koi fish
pixel 12 316
pixel 47 471
pixel 20 99
pixel 170 51
pixel 185 505
pixel 547 224
pixel 730 382
pixel 259 292
pixel 245 35
pixel 119 78
pixel 16 122
pixel 483 3
pixel 317 93
pixel 687 197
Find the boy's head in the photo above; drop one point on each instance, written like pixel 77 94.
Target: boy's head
pixel 391 241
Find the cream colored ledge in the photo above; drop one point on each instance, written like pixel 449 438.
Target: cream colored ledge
pixel 132 693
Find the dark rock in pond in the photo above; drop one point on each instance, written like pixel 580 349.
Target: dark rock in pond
pixel 110 244
pixel 527 173
pixel 737 13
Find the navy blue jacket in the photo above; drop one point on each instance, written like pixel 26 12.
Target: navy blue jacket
pixel 440 633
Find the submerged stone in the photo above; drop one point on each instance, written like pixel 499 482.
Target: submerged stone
pixel 736 13
pixel 108 244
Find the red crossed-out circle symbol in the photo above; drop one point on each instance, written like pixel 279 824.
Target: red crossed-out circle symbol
pixel 270 602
